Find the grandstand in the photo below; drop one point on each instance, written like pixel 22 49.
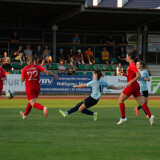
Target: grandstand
pixel 54 23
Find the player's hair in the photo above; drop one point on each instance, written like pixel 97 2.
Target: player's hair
pixel 142 63
pixel 30 60
pixel 99 74
pixel 132 53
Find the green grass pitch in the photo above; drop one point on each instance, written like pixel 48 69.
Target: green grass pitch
pixel 78 137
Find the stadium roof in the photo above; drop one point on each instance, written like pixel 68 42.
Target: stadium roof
pixel 75 15
pixel 139 4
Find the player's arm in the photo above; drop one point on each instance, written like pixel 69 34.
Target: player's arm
pixel 123 74
pixel 117 88
pixel 4 78
pixel 138 75
pixel 80 86
pixel 50 73
pixel 147 79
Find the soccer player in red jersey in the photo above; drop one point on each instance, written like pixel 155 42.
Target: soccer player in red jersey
pixel 30 74
pixel 2 78
pixel 132 88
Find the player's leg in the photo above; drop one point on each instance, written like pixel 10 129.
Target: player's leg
pixel 72 110
pixel 28 109
pixel 145 108
pixel 121 100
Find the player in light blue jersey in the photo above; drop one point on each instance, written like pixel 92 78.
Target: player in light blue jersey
pixel 97 84
pixel 143 84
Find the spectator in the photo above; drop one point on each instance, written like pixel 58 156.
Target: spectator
pixel 106 56
pixel 38 54
pixel 70 54
pixel 43 65
pixel 6 62
pixel 76 39
pixel 14 38
pixel 89 55
pixel 122 56
pixel 27 52
pixel 111 43
pixel 61 55
pixel 123 42
pixel 47 56
pixel 72 70
pixel 61 68
pixel 79 57
pixel 119 69
pixel 16 54
pixel 103 40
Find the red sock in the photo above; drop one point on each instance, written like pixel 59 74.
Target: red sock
pixel 28 109
pixel 122 108
pixel 146 109
pixel 38 106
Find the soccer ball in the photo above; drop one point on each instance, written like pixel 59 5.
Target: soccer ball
pixel 9 94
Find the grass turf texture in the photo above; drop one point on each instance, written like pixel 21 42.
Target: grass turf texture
pixel 77 137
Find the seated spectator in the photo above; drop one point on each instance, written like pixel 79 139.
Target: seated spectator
pixel 123 41
pixel 62 69
pixel 111 43
pixel 70 54
pixel 122 56
pixel 61 55
pixel 89 55
pixel 72 70
pixel 103 40
pixel 76 39
pixel 38 54
pixel 16 54
pixel 119 69
pixel 6 62
pixel 79 57
pixel 106 56
pixel 47 56
pixel 27 52
pixel 42 64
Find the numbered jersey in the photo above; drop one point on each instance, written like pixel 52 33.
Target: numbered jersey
pixel 31 74
pixel 97 87
pixel 2 74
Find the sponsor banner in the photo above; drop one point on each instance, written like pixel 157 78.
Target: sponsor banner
pixel 153 43
pixel 13 83
pixel 64 84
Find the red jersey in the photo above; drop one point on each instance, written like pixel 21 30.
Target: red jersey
pixel 131 71
pixel 31 74
pixel 2 74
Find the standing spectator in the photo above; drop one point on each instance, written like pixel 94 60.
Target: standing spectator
pixel 79 57
pixel 119 69
pixel 89 55
pixel 106 56
pixel 72 70
pixel 122 56
pixel 27 52
pixel 76 39
pixel 62 69
pixel 47 56
pixel 6 62
pixel 14 38
pixel 38 54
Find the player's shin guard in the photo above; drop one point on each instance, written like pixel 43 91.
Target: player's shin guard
pixel 122 108
pixel 38 106
pixel 86 111
pixel 146 109
pixel 28 109
pixel 74 109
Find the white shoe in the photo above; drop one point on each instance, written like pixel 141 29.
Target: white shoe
pixel 122 120
pixel 151 119
pixel 22 114
pixel 45 111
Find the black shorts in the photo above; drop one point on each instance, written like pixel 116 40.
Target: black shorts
pixel 89 101
pixel 144 93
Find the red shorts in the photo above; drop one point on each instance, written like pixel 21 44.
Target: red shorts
pixel 1 89
pixel 32 91
pixel 133 89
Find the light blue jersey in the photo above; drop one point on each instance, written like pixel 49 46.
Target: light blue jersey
pixel 142 82
pixel 97 87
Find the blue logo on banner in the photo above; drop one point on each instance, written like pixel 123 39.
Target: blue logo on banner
pixel 64 84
